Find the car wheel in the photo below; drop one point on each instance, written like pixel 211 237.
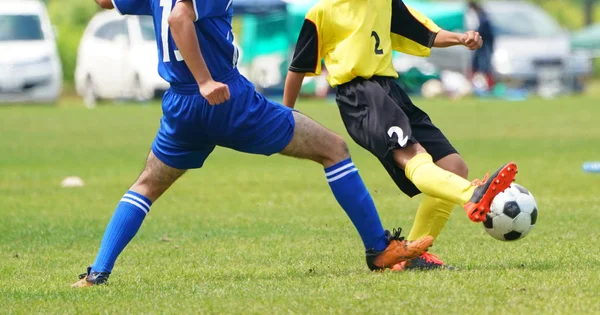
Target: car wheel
pixel 139 94
pixel 90 98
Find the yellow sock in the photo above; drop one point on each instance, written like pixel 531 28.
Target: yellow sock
pixel 432 215
pixel 437 182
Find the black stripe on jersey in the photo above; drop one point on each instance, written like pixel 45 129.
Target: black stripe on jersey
pixel 306 54
pixel 405 24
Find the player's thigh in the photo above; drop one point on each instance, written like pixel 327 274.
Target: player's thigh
pixel 156 178
pixel 430 138
pixel 372 118
pixel 181 142
pixel 314 142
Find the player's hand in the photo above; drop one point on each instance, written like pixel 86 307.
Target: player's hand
pixel 472 40
pixel 214 92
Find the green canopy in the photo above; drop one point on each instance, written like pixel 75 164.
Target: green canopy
pixel 447 15
pixel 587 38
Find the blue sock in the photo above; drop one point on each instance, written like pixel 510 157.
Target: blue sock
pixel 350 191
pixel 123 226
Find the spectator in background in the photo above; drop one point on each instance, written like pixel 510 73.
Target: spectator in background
pixel 482 59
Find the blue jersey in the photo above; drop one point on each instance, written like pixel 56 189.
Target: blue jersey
pixel 213 26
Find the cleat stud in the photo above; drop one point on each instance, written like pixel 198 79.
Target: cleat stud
pixel 503 175
pixel 509 169
pixel 497 181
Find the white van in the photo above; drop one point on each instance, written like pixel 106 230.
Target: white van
pixel 30 68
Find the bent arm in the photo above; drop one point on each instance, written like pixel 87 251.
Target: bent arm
pixel 293 84
pixel 181 21
pixel 447 39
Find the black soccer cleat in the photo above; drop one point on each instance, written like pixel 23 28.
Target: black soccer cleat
pixel 90 278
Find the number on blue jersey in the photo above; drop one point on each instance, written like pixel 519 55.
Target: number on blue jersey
pixel 167 6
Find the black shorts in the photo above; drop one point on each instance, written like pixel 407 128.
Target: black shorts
pixel 380 117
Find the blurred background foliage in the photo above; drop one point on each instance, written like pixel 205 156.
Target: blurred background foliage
pixel 70 17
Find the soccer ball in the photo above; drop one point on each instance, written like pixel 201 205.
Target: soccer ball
pixel 512 215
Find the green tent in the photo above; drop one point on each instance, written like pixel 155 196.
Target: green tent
pixel 587 38
pixel 447 15
pixel 275 31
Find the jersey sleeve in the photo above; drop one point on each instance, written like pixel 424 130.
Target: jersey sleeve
pixel 412 32
pixel 133 7
pixel 307 55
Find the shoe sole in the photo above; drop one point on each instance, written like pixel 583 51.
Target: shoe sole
pixel 501 180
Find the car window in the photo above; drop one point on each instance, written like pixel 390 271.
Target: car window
pixel 147 27
pixel 530 23
pixel 111 30
pixel 20 27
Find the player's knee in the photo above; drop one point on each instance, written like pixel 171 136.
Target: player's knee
pixel 337 150
pixel 460 168
pixel 403 155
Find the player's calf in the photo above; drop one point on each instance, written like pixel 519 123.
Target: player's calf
pixel 313 141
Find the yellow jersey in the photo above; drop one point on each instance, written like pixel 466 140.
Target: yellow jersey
pixel 355 38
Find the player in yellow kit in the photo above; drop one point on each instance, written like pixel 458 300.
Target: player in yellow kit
pixel 356 38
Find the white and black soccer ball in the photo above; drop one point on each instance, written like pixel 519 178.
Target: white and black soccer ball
pixel 512 215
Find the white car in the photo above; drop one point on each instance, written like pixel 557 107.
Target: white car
pixel 118 59
pixel 30 68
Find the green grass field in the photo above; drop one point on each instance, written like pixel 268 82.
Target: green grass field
pixel 249 234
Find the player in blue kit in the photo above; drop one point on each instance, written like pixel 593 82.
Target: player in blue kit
pixel 209 104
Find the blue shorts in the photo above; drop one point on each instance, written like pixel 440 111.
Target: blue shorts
pixel 190 128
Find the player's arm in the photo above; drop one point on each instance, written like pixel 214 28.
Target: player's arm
pixel 414 33
pixel 470 39
pixel 307 58
pixel 181 21
pixel 293 85
pixel 105 4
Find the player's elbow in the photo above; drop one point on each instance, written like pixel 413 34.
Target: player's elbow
pixel 182 13
pixel 105 4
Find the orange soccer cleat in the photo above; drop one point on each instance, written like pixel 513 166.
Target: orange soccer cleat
pixel 487 189
pixel 398 250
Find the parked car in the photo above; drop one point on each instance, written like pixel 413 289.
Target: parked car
pixel 118 58
pixel 529 45
pixel 30 68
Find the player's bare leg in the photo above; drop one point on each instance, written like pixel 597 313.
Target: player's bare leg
pixel 475 197
pixel 154 180
pixel 314 142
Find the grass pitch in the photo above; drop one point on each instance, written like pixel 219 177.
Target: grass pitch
pixel 248 234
